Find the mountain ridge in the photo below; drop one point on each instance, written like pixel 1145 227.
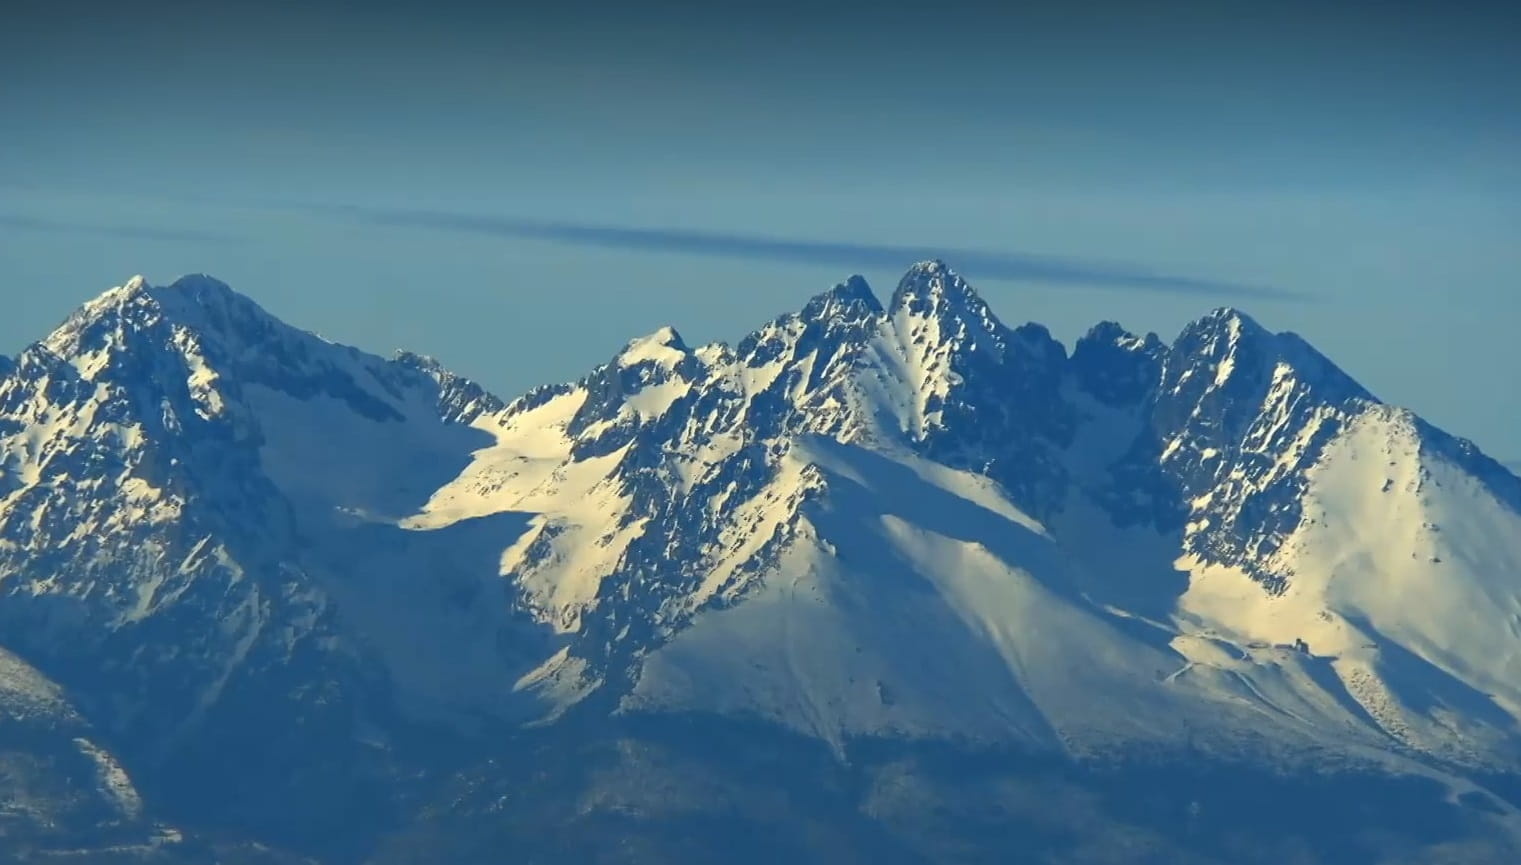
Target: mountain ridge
pixel 860 522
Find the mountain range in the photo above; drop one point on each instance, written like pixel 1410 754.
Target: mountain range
pixel 881 581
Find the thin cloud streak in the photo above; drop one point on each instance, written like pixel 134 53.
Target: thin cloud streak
pixel 978 263
pixel 13 222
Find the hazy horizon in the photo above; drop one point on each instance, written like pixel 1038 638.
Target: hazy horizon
pixel 520 192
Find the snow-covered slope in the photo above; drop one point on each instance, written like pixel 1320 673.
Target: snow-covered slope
pixel 697 516
pixel 1404 579
pixel 904 521
pixel 177 455
pixel 200 537
pixel 58 784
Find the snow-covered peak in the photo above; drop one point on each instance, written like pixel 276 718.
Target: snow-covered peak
pixel 1229 315
pixel 170 368
pixel 1229 353
pixel 932 287
pixel 848 301
pixel 114 296
pixel 1230 350
pixel 68 337
pixel 180 438
pixel 664 347
pixel 912 521
pixel 196 307
pixel 940 321
pixel 1218 335
pixel 207 304
pixel 200 335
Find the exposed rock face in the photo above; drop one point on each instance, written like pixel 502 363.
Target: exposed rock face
pixel 247 553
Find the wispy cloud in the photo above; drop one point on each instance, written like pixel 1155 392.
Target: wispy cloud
pixel 976 263
pixel 127 231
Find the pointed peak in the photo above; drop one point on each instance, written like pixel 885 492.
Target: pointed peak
pixel 665 346
pixel 1219 333
pixel 932 285
pixel 1231 346
pixel 665 336
pixel 1232 318
pixel 931 290
pixel 199 303
pixel 67 337
pixel 855 289
pixel 851 300
pixel 116 296
pixel 192 289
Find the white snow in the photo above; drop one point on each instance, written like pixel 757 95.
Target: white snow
pixel 921 603
pixel 113 779
pixel 1398 552
pixel 660 347
pixel 905 597
pixel 520 471
pixel 651 402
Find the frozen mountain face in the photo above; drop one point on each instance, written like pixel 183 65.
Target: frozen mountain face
pixel 249 552
pixel 755 530
pixel 1239 415
pixel 188 489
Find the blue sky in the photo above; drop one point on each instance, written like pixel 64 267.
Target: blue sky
pixel 373 172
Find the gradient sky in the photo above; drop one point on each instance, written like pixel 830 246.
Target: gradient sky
pixel 519 192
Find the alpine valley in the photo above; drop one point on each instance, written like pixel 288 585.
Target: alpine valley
pixel 884 581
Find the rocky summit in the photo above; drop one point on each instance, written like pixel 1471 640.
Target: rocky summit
pixel 881 581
